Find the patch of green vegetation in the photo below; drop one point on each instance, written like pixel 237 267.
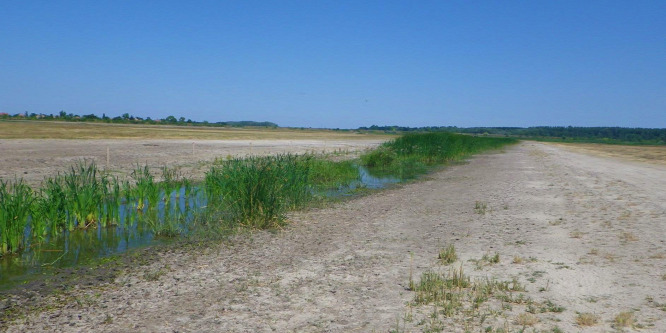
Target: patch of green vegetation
pixel 257 191
pixel 480 207
pixel 325 174
pixel 448 255
pixel 486 260
pixel 16 201
pixel 412 154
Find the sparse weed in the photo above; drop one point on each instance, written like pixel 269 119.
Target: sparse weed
pixel 487 259
pixel 587 319
pixel 480 207
pixel 448 255
pixel 576 234
pixel 624 319
pixel 526 319
pixel 626 237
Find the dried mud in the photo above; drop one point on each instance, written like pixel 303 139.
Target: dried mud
pixel 34 159
pixel 591 230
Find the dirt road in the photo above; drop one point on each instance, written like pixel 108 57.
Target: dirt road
pixel 585 236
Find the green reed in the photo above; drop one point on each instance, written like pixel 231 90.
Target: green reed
pixel 16 200
pixel 257 191
pixel 50 214
pixel 146 190
pixel 84 195
pixel 326 174
pixel 418 151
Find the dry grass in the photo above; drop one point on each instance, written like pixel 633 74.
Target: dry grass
pixel 628 237
pixel 526 319
pixel 624 319
pixel 587 319
pixel 650 154
pixel 67 130
pixel 576 234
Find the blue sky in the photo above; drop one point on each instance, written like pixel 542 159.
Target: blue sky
pixel 340 63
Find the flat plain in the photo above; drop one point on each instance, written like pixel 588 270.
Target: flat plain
pixel 33 150
pixel 578 240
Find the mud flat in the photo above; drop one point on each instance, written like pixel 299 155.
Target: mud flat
pixel 584 236
pixel 33 159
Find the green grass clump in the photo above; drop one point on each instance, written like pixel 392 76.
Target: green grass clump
pixel 445 291
pixel 257 191
pixel 380 157
pixel 84 193
pixel 325 174
pixel 16 201
pixel 146 191
pixel 448 255
pixel 415 152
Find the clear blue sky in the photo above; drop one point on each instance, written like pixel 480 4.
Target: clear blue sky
pixel 340 63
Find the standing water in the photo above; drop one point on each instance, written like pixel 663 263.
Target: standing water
pixel 139 224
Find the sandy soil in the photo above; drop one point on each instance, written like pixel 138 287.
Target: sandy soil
pixel 646 154
pixel 585 233
pixel 34 159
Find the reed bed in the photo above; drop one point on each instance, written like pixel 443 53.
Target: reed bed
pixel 253 192
pixel 81 198
pixel 257 191
pixel 412 154
pixel 16 200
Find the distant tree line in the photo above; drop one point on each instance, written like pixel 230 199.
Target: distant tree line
pixel 126 118
pixel 654 136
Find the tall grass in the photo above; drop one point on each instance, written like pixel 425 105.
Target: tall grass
pixel 146 191
pixel 80 198
pixel 15 206
pixel 84 194
pixel 326 174
pixel 257 191
pixel 415 152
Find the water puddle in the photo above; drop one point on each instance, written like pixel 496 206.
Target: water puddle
pixel 136 228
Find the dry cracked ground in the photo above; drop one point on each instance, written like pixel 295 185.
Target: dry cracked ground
pixel 548 240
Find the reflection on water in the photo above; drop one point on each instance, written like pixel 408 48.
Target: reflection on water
pixel 374 180
pixel 135 228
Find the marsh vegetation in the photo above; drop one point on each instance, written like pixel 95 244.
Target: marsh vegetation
pixel 87 202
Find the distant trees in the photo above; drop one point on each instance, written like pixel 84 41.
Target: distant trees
pixel 656 136
pixel 127 118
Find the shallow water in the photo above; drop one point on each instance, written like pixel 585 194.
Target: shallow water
pixel 135 229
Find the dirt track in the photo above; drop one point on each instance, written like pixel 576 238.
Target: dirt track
pixel 590 234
